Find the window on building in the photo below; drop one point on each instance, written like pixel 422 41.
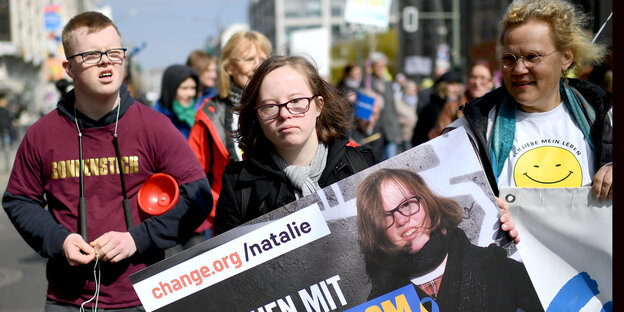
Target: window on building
pixel 313 8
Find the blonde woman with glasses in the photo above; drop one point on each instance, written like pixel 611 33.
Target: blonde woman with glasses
pixel 210 136
pixel 543 129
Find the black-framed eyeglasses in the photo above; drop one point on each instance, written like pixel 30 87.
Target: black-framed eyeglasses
pixel 297 107
pixel 94 57
pixel 530 60
pixel 408 207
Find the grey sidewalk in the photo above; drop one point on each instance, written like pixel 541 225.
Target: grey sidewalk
pixel 22 271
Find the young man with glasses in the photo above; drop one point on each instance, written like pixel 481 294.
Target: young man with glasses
pixel 73 160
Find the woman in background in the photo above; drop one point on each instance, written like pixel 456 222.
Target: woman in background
pixel 178 94
pixel 206 66
pixel 215 119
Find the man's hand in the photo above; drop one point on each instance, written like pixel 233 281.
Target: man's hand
pixel 603 182
pixel 507 225
pixel 115 246
pixel 77 251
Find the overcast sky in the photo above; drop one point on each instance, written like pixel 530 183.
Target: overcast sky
pixel 171 29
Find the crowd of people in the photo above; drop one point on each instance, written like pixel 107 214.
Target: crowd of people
pixel 246 132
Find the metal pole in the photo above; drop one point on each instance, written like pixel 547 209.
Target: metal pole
pixel 456 33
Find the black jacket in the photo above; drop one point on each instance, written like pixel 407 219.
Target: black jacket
pixel 475 279
pixel 262 186
pixel 476 113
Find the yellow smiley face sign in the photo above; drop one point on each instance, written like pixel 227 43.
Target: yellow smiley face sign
pixel 548 166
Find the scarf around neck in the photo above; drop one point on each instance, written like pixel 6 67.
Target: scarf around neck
pixel 505 124
pixel 304 178
pixel 235 94
pixel 412 265
pixel 390 270
pixel 186 114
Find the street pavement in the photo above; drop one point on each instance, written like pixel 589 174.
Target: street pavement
pixel 22 271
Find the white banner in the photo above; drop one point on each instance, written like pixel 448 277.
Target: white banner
pixel 313 44
pixel 566 245
pixel 232 258
pixel 368 12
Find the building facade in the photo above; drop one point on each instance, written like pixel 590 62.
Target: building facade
pixel 31 51
pixel 433 35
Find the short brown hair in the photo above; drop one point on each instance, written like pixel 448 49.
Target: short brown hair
pixel 443 213
pixel 94 21
pixel 331 123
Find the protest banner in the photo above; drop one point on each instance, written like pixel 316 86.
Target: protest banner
pixel 306 256
pixel 567 245
pixel 368 12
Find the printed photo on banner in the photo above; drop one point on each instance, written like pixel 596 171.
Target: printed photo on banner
pixel 417 232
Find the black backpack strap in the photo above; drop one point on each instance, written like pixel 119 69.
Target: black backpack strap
pixel 356 159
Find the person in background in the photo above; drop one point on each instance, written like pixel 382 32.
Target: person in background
pixel 210 137
pixel 409 235
pixel 6 123
pixel 49 192
pixel 133 85
pixel 206 66
pixel 178 97
pixel 367 131
pixel 292 131
pixel 63 86
pixel 364 131
pixel 480 82
pixel 406 106
pixel 178 101
pixel 350 81
pixel 540 43
pixel 390 129
pixel 602 74
pixel 449 89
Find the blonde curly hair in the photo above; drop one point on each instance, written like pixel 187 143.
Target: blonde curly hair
pixel 569 26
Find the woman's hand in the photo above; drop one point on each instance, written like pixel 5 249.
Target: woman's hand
pixel 603 182
pixel 506 224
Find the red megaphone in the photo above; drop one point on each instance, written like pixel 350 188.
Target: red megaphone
pixel 158 194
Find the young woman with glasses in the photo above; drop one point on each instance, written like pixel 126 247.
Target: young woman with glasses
pixel 540 113
pixel 410 236
pixel 291 129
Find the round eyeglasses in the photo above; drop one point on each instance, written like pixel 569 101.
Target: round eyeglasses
pixel 95 57
pixel 408 207
pixel 297 107
pixel 531 60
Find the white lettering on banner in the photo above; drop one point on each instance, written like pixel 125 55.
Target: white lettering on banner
pixel 316 299
pixel 243 253
pixel 313 300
